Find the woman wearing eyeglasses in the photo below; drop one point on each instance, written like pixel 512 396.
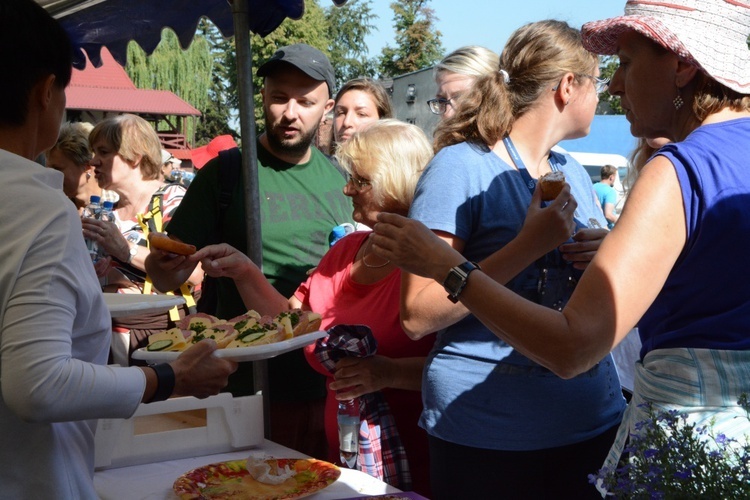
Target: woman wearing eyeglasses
pixel 352 286
pixel 456 73
pixel 492 414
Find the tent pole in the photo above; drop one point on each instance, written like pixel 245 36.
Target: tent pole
pixel 240 15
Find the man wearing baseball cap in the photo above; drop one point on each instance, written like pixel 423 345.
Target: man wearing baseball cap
pixel 305 58
pixel 301 201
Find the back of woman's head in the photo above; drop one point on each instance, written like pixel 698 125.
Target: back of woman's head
pixel 73 142
pixel 369 86
pixel 133 138
pixel 392 154
pixel 533 61
pixel 471 60
pixel 32 46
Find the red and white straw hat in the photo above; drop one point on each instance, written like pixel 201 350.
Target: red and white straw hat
pixel 712 34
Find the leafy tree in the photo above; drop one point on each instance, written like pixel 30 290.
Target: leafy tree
pixel 348 26
pixel 186 73
pixel 418 43
pixel 609 104
pixel 217 114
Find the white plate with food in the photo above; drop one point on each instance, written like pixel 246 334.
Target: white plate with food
pixel 247 337
pixel 121 305
pixel 253 353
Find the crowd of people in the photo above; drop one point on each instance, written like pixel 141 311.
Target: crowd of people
pixel 494 309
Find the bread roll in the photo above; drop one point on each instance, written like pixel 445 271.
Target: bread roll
pixel 551 184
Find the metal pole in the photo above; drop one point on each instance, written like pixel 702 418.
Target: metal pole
pixel 240 13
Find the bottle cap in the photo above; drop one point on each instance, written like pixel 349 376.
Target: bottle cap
pixel 108 205
pixel 94 199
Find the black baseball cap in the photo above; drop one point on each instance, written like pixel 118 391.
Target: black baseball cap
pixel 307 59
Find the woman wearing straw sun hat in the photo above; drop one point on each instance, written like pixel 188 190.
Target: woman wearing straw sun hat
pixel 673 264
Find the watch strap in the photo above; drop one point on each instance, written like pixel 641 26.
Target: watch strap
pixel 165 381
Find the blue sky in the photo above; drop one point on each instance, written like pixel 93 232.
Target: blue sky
pixel 490 22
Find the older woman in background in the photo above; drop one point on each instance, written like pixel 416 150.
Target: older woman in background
pixel 456 73
pixel 72 155
pixel 127 160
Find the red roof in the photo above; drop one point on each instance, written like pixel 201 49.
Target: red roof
pixel 108 88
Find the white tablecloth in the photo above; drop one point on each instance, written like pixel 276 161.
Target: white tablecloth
pixel 154 481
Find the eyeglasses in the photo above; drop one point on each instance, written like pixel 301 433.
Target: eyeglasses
pixel 439 105
pixel 359 184
pixel 600 84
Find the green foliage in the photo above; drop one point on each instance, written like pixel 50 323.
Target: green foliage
pixel 609 104
pixel 671 459
pixel 348 26
pixel 218 113
pixel 186 73
pixel 418 43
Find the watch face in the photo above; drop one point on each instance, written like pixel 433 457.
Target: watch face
pixel 453 281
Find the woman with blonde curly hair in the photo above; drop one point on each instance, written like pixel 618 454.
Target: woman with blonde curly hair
pixel 352 286
pixel 493 413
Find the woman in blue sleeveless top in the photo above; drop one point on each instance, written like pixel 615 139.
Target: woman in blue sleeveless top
pixel 675 261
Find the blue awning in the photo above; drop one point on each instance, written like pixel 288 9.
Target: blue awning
pixel 92 24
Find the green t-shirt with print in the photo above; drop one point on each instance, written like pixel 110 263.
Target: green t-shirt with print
pixel 300 205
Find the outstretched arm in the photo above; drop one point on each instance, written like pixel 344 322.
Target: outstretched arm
pixel 257 293
pixel 609 300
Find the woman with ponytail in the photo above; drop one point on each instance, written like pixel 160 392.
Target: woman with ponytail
pixel 507 426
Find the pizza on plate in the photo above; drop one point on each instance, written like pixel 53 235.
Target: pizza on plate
pixel 231 479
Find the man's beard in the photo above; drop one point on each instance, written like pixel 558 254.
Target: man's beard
pixel 297 146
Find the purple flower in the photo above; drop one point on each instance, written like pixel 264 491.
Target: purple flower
pixel 683 474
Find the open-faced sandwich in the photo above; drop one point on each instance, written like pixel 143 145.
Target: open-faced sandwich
pixel 247 330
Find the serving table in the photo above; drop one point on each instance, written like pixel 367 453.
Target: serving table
pixel 154 481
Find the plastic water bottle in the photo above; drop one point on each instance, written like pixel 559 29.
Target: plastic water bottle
pixel 106 214
pixel 340 231
pixel 92 211
pixel 349 422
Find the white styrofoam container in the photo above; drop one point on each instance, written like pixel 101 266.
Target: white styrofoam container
pixel 180 428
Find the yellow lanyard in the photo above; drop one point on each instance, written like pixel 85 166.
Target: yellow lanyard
pixel 155 214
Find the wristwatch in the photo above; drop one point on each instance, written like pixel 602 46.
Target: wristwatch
pixel 455 283
pixel 132 253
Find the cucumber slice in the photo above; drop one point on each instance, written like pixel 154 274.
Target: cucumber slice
pixel 159 345
pixel 253 337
